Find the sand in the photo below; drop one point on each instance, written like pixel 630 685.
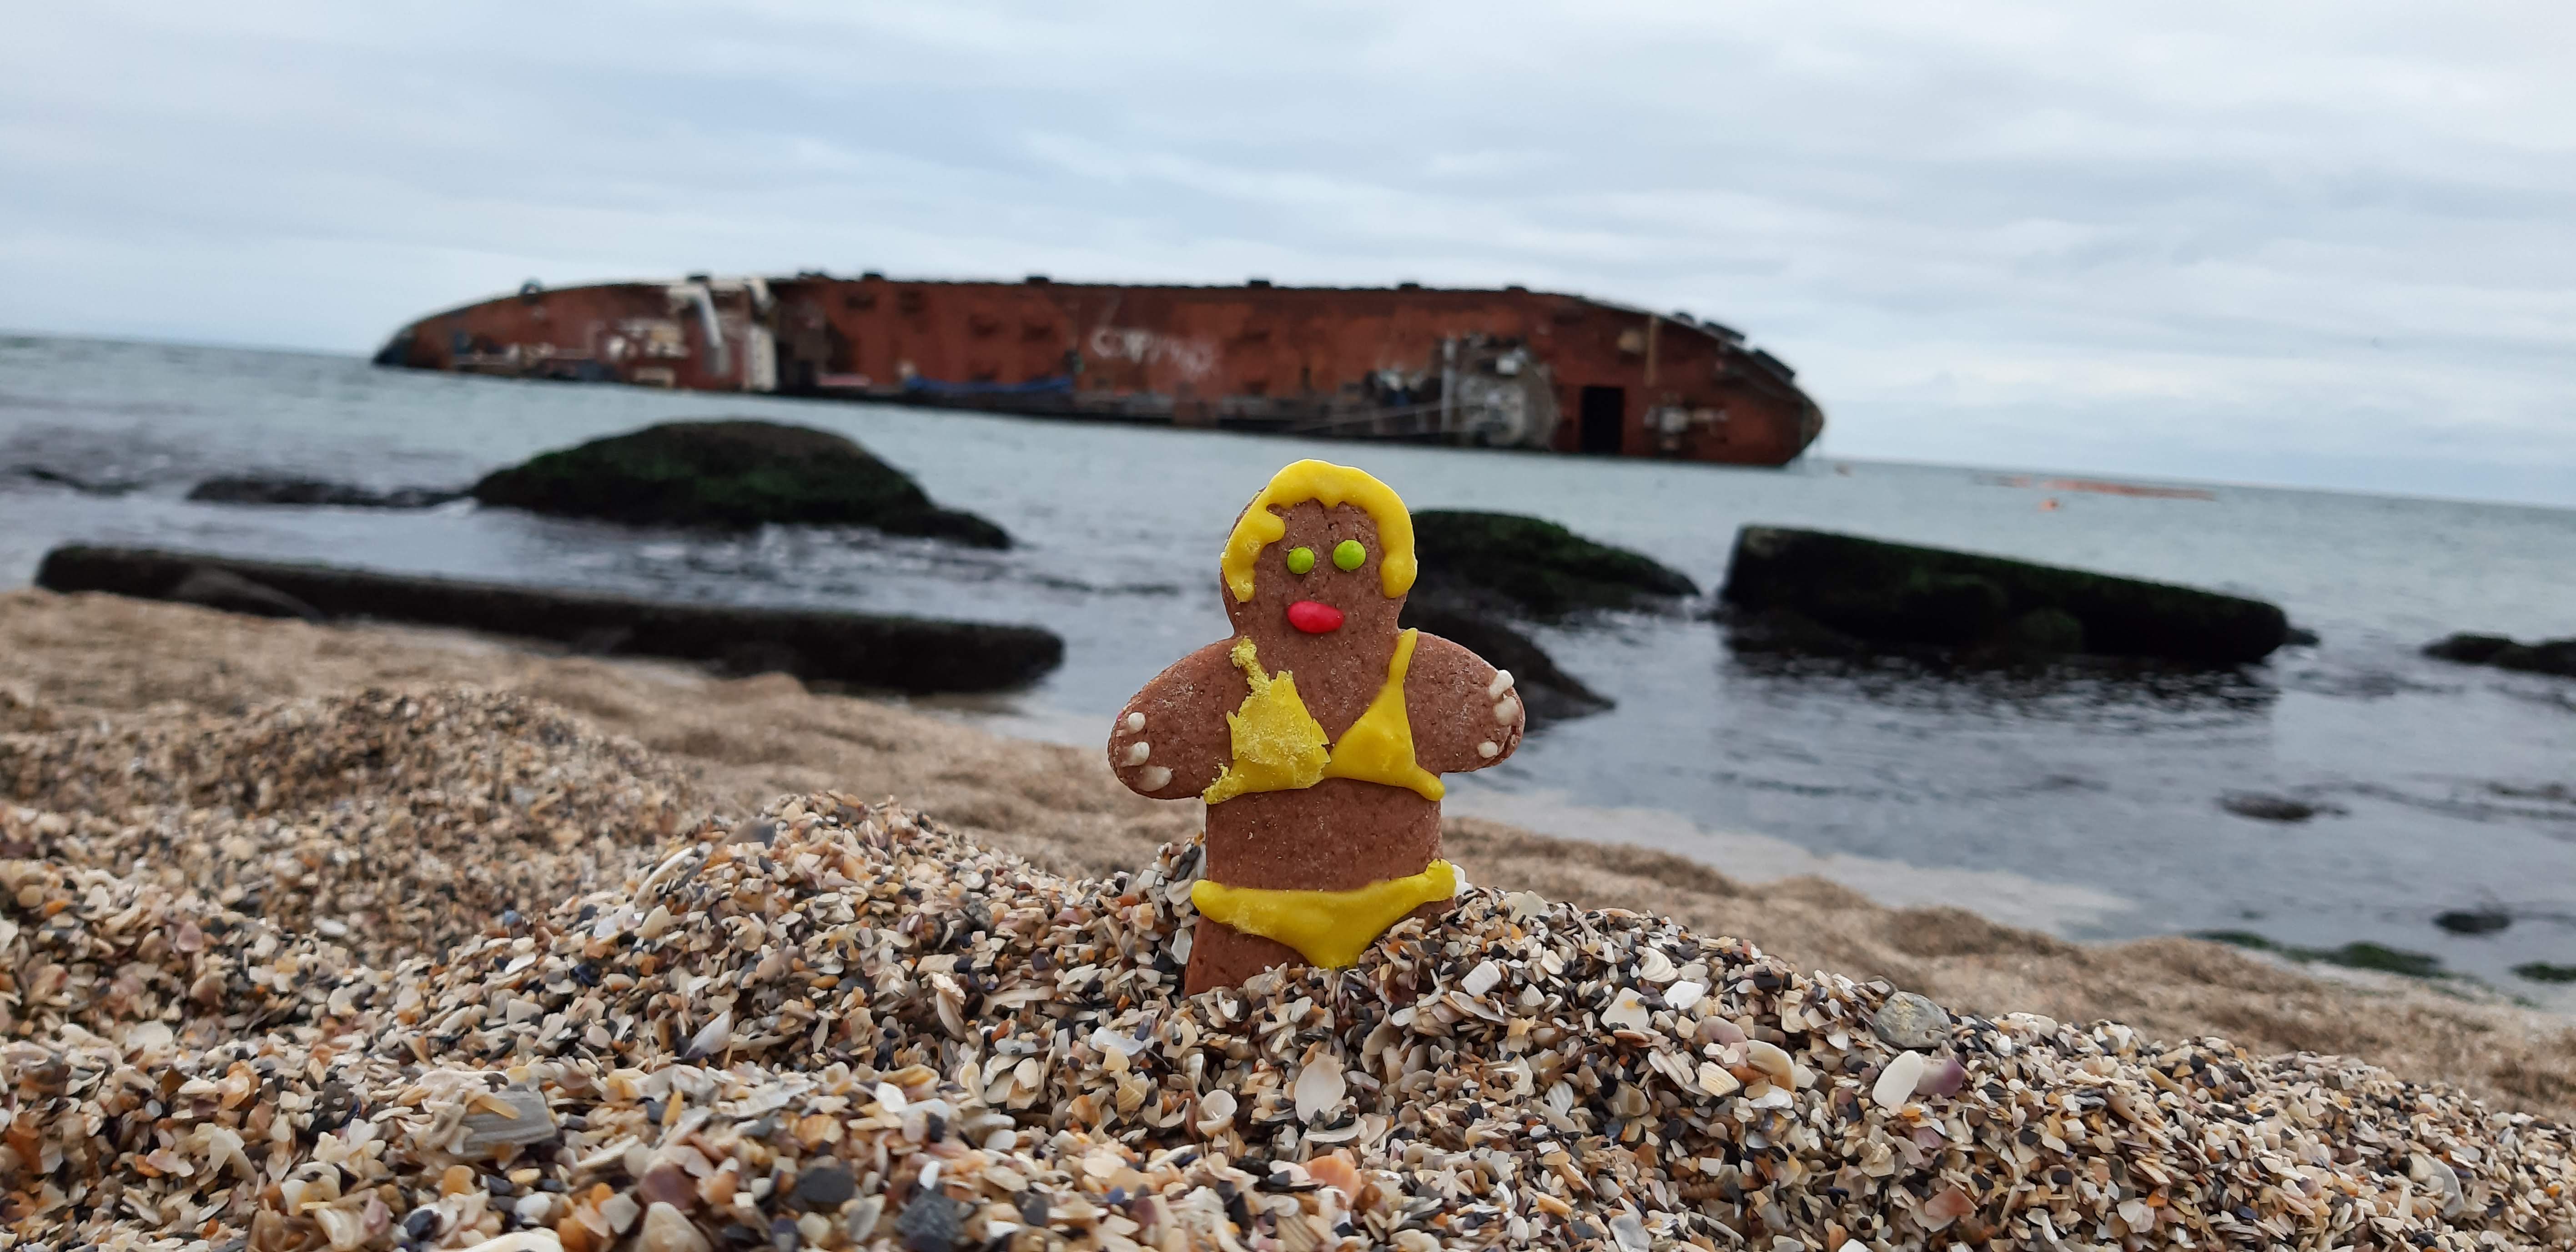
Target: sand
pixel 109 666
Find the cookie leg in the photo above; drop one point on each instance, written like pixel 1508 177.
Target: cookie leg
pixel 1221 956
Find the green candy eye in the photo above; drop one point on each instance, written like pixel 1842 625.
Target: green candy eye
pixel 1349 555
pixel 1300 560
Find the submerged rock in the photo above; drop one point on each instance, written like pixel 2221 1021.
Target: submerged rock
pixel 2272 808
pixel 898 653
pixel 265 489
pixel 1813 591
pixel 1481 569
pixel 85 486
pixel 1536 567
pixel 2547 656
pixel 735 474
pixel 1547 692
pixel 2483 920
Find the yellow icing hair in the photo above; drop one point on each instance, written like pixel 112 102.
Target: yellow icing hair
pixel 1329 485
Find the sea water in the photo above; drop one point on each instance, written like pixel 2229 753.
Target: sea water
pixel 2084 804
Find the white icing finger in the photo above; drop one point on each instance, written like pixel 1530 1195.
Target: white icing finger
pixel 1154 778
pixel 1489 749
pixel 1135 722
pixel 1502 682
pixel 1138 752
pixel 1505 708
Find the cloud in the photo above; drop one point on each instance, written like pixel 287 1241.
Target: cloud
pixel 2304 242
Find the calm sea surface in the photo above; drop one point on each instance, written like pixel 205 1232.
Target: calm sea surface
pixel 2086 805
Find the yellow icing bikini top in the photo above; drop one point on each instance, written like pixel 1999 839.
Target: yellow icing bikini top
pixel 1279 746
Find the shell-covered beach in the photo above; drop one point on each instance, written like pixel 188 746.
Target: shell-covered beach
pixel 356 937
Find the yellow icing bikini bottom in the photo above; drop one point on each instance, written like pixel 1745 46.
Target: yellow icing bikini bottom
pixel 1328 928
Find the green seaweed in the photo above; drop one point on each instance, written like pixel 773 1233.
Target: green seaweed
pixel 2386 959
pixel 2360 954
pixel 2543 971
pixel 2239 939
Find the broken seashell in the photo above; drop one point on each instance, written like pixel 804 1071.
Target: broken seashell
pixel 1627 1011
pixel 1319 1087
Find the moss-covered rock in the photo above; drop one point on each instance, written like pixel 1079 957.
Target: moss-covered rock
pixel 731 474
pixel 1536 567
pixel 2548 656
pixel 1864 594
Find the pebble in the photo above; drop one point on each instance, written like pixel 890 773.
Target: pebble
pixel 1912 1022
pixel 1895 1086
pixel 825 1187
pixel 933 1045
pixel 933 1222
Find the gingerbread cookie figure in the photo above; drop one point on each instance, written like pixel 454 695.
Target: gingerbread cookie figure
pixel 1317 734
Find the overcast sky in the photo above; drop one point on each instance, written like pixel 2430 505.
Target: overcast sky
pixel 2311 243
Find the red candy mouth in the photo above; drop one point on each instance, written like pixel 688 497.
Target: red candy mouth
pixel 1314 618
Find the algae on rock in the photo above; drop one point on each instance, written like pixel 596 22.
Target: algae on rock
pixel 735 473
pixel 1807 590
pixel 1539 567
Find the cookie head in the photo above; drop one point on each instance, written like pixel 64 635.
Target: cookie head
pixel 1323 551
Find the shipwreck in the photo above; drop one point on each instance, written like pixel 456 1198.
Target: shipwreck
pixel 1497 368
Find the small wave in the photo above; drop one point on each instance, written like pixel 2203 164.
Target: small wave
pixel 1058 582
pixel 121 408
pixel 94 461
pixel 2115 698
pixel 1999 895
pixel 2510 803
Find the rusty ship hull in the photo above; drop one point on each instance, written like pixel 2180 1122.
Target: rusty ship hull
pixel 1499 368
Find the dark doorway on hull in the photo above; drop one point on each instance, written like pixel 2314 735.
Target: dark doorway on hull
pixel 1605 414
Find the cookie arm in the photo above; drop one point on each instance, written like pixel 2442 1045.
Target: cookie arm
pixel 1170 739
pixel 1466 714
